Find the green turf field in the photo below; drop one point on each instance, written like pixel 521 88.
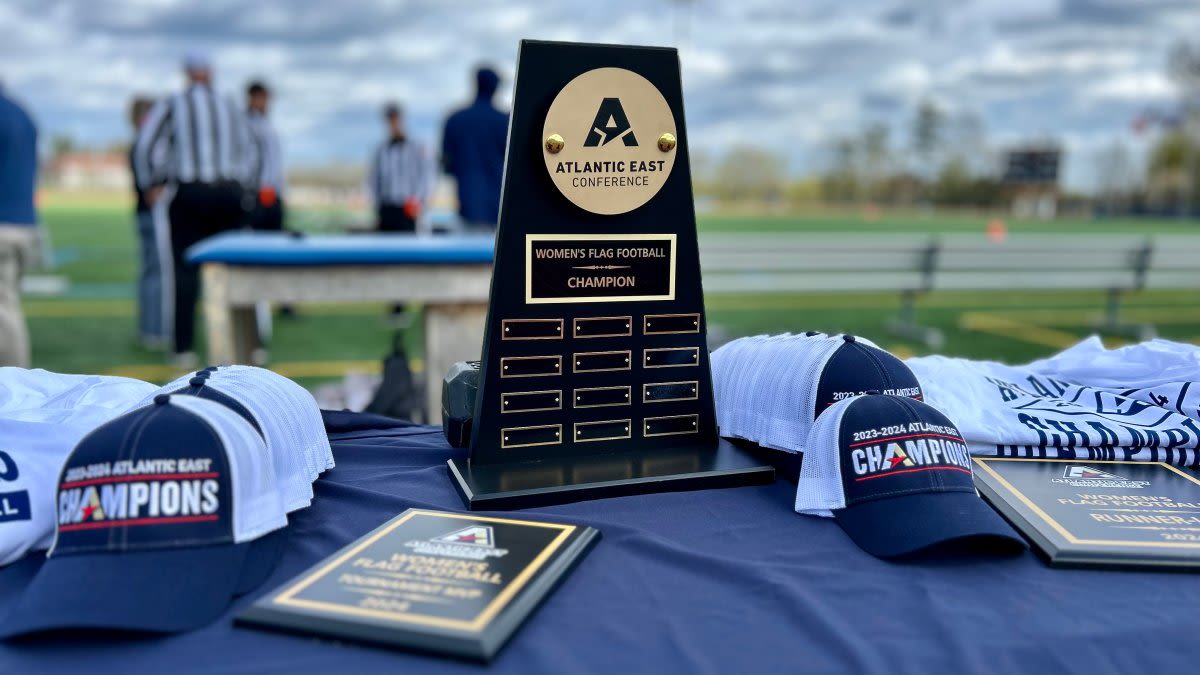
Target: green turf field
pixel 92 327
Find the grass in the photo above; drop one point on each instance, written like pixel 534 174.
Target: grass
pixel 92 328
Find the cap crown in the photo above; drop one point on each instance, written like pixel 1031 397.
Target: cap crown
pixel 770 390
pixel 880 446
pixel 183 472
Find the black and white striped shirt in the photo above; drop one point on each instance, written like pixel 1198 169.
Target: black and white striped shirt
pixel 195 136
pixel 401 170
pixel 269 167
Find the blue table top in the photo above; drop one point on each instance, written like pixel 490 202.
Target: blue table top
pixel 287 249
pixel 712 581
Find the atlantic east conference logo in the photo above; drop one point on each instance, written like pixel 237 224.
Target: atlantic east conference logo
pixel 476 542
pixel 1082 475
pixel 609 160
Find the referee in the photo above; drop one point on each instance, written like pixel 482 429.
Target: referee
pixel 195 151
pixel 267 175
pixel 401 176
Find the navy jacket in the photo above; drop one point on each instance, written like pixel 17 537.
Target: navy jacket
pixel 18 164
pixel 473 152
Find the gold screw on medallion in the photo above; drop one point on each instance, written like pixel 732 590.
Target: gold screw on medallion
pixel 555 143
pixel 666 142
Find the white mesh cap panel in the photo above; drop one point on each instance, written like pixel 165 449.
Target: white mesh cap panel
pixel 728 365
pixel 819 489
pixel 257 500
pixel 303 408
pixel 292 469
pixel 765 387
pixel 789 409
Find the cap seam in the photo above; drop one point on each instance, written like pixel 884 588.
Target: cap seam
pixel 909 491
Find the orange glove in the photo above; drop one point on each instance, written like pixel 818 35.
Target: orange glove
pixel 267 195
pixel 412 207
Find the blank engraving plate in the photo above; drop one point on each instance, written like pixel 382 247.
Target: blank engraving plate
pixel 671 357
pixel 671 324
pixel 608 430
pixel 530 401
pixel 670 426
pixel 532 329
pixel 595 362
pixel 530 366
pixel 662 392
pixel 604 326
pixel 599 397
pixel 523 437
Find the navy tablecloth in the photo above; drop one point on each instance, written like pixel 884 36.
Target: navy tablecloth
pixel 718 581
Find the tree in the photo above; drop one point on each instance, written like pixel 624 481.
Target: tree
pixel 1171 180
pixel 876 154
pixel 749 173
pixel 840 183
pixel 1183 67
pixel 1114 175
pixel 927 136
pixel 62 144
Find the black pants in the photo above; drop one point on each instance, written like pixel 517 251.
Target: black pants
pixel 266 218
pixel 392 218
pixel 198 211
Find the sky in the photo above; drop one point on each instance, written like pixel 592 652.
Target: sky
pixel 785 75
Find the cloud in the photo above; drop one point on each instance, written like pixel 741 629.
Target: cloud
pixel 788 75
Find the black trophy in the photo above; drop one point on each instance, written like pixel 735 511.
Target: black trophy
pixel 595 378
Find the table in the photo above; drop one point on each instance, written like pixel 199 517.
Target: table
pixel 715 581
pixel 450 276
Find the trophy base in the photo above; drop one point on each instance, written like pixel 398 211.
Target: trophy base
pixel 522 485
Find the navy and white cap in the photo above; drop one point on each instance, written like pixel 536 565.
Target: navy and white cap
pixel 157 511
pixel 263 411
pixel 896 475
pixel 285 413
pixel 770 389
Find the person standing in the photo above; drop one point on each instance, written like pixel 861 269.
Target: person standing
pixel 19 234
pixel 151 236
pixel 400 179
pixel 195 150
pixel 268 211
pixel 473 153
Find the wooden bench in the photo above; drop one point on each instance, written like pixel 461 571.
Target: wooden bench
pixel 914 264
pixel 450 277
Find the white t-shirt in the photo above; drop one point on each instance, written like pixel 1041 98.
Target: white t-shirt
pixel 1135 403
pixel 43 416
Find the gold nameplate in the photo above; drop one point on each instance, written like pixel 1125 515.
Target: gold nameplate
pixel 602 397
pixel 671 324
pixel 531 401
pixel 671 357
pixel 670 425
pixel 664 392
pixel 604 326
pixel 531 329
pixel 524 437
pixel 607 430
pixel 597 362
pixel 530 366
pixel 586 268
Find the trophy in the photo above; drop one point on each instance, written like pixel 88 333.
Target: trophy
pixel 594 379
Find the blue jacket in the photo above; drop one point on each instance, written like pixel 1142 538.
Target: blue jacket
pixel 473 152
pixel 18 164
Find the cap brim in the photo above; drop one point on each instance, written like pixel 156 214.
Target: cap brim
pixel 150 591
pixel 918 523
